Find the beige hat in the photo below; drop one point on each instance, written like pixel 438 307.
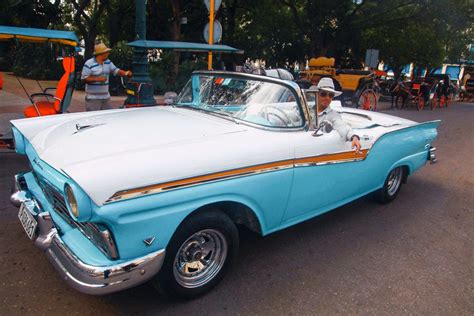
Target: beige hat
pixel 101 48
pixel 327 84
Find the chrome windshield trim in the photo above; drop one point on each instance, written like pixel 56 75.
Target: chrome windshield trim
pixel 292 86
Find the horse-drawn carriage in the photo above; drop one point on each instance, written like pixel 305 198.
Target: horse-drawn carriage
pixel 358 86
pixel 432 90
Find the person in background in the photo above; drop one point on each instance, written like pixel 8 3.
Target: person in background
pixel 95 73
pixel 326 93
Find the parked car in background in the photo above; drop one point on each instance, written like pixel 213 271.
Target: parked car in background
pixel 119 197
pixel 279 73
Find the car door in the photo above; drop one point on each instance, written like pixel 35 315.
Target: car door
pixel 326 172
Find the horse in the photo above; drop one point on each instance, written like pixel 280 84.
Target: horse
pixel 397 91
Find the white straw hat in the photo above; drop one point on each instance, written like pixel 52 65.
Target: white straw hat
pixel 327 84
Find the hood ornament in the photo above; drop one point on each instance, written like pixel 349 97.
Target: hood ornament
pixel 80 127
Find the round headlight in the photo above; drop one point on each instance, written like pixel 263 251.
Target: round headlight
pixel 71 200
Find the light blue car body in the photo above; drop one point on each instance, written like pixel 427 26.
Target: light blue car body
pixel 297 178
pixel 296 195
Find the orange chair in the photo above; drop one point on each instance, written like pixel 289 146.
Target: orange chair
pixel 62 97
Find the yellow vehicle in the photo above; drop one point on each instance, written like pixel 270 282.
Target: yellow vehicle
pixel 358 86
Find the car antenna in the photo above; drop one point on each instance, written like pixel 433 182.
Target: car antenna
pixel 24 89
pixel 41 88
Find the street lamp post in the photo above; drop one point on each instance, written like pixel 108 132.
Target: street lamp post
pixel 140 88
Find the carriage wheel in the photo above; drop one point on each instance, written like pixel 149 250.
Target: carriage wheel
pixel 420 103
pixel 368 100
pixel 442 101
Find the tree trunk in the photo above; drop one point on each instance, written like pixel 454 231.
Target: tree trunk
pixel 175 29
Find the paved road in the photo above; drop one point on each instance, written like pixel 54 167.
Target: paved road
pixel 413 256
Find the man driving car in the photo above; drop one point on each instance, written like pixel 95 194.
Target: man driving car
pixel 326 93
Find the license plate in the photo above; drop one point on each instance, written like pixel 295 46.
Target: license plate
pixel 27 220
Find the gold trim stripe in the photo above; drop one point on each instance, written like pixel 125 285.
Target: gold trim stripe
pixel 278 165
pixel 332 158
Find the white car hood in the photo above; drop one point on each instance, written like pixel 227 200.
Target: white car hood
pixel 68 142
pixel 139 147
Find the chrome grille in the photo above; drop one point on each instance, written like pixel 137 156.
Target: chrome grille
pixel 56 199
pixel 98 234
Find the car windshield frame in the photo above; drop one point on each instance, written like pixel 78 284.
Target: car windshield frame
pixel 195 88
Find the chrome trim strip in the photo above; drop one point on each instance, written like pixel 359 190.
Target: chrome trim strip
pixel 161 187
pixel 339 157
pixel 312 164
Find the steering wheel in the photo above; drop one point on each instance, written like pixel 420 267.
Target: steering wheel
pixel 281 115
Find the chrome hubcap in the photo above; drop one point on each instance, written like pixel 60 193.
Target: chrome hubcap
pixel 200 258
pixel 394 181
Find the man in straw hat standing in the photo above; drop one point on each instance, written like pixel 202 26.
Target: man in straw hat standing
pixel 95 74
pixel 326 92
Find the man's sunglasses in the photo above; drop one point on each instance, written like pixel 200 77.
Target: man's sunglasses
pixel 325 94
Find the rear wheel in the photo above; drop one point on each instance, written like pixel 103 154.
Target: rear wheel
pixel 198 255
pixel 392 185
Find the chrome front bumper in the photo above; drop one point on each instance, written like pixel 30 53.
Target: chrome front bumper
pixel 81 276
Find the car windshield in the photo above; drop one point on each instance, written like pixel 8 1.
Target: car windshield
pixel 243 99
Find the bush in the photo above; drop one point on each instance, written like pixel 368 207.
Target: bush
pixel 121 55
pixel 37 61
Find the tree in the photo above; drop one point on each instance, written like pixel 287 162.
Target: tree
pixel 27 13
pixel 86 17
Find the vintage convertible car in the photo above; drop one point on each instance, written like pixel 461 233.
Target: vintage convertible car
pixel 116 198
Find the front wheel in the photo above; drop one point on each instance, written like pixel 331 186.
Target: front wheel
pixel 198 255
pixel 391 186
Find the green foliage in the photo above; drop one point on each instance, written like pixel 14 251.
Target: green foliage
pixel 121 55
pixel 37 61
pixel 38 13
pixel 436 32
pixel 159 71
pixel 427 32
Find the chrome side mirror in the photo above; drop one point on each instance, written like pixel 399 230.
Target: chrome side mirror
pixel 324 128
